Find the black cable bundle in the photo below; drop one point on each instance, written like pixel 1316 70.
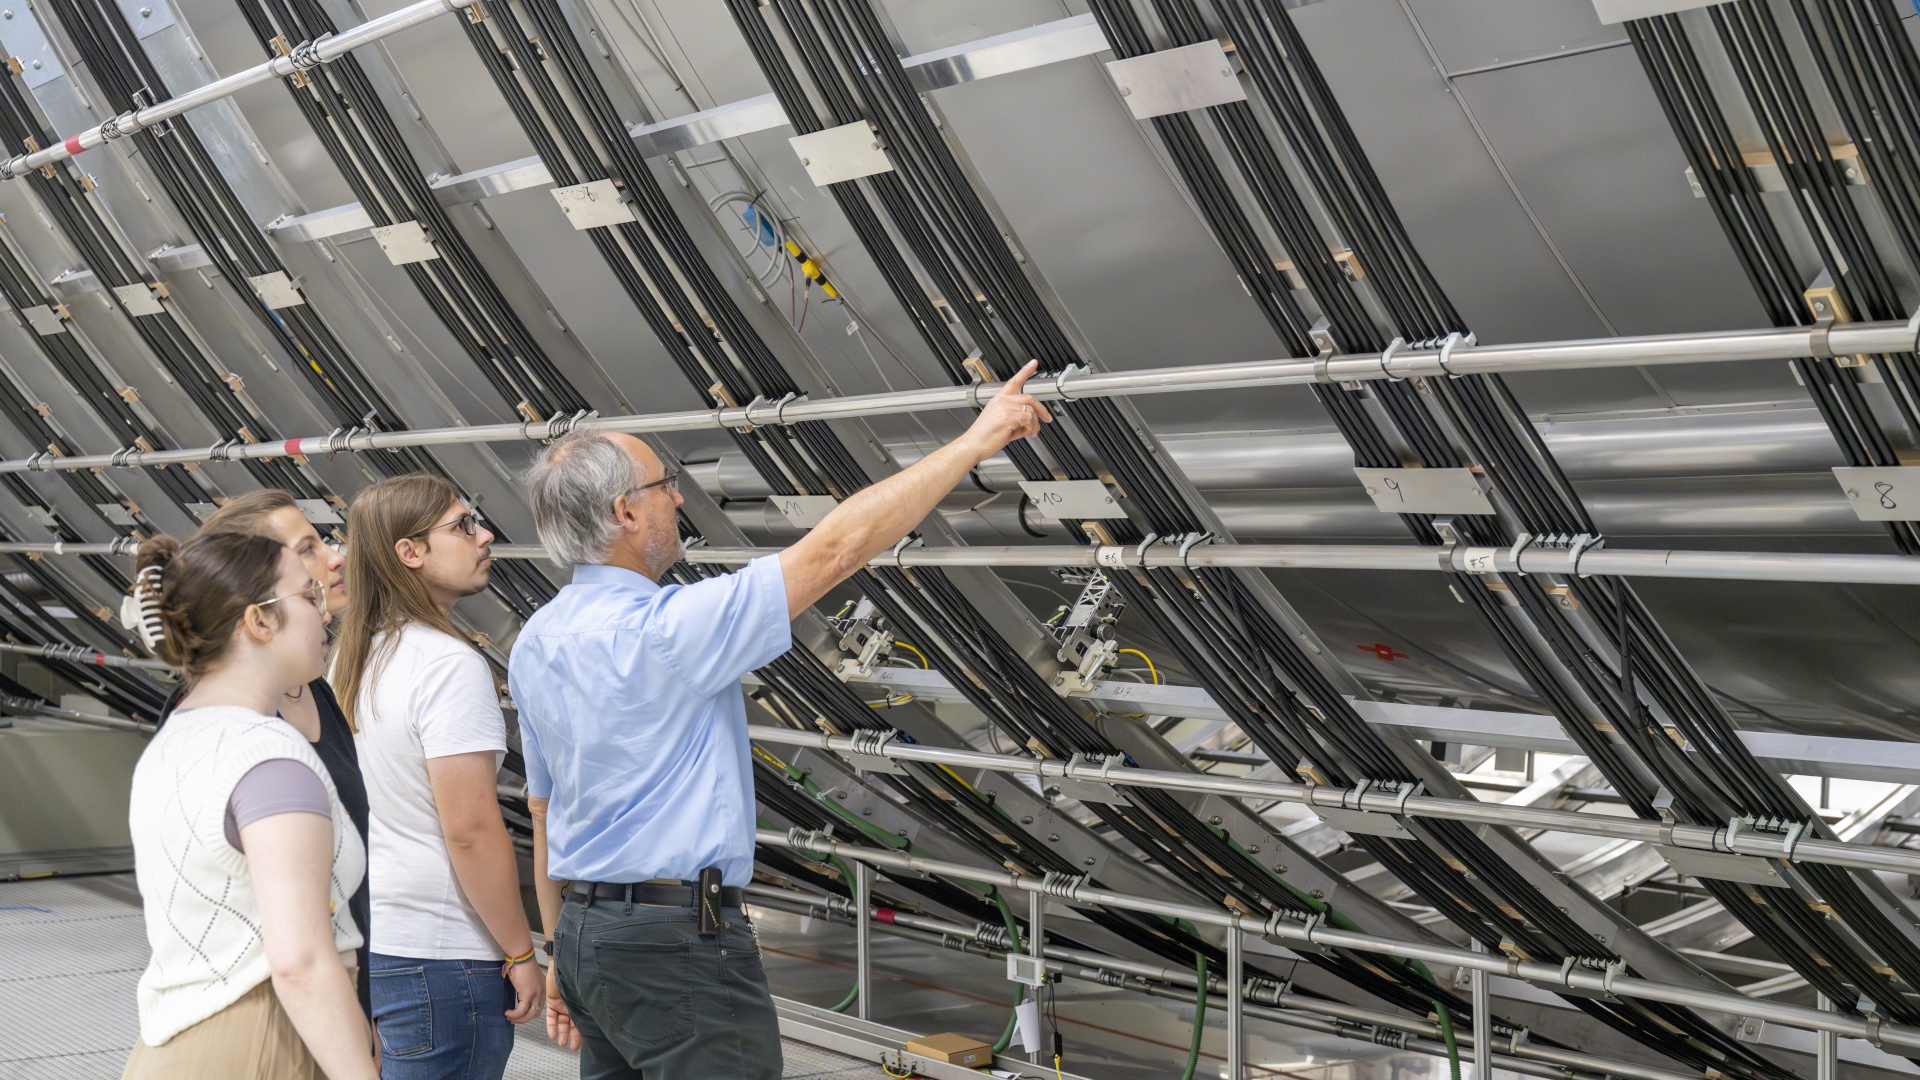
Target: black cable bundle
pixel 345 113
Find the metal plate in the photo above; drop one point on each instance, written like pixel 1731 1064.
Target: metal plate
pixel 277 290
pixel 405 242
pixel 593 205
pixel 847 152
pixel 25 39
pixel 1072 500
pixel 116 513
pixel 40 515
pixel 138 299
pixel 1362 822
pixel 147 16
pixel 804 511
pixel 44 320
pixel 1721 866
pixel 203 510
pixel 1619 11
pixel 1176 80
pixel 1882 493
pixel 1425 491
pixel 319 511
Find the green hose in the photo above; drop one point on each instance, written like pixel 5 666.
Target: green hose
pixel 1019 992
pixel 1453 1048
pixel 1200 1016
pixel 846 1003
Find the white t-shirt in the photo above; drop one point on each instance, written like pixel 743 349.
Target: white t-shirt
pixel 434 697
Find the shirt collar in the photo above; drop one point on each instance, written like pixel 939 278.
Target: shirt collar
pixel 600 574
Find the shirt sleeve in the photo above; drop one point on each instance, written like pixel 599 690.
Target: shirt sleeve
pixel 458 707
pixel 716 630
pixel 276 786
pixel 539 780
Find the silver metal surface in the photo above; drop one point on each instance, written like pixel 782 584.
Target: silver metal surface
pixel 863 941
pixel 1176 80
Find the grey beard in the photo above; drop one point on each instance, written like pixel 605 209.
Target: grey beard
pixel 663 552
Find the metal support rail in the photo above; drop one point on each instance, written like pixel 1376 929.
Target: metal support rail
pixel 1570 975
pixel 1737 837
pixel 80 654
pixel 322 50
pixel 1646 351
pixel 27 706
pixel 1716 565
pixel 1282 1005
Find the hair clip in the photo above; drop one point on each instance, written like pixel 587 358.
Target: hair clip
pixel 140 609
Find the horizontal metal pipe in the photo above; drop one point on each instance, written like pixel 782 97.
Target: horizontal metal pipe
pixel 1767 344
pixel 1735 565
pixel 1768 845
pixel 321 50
pixel 1265 1001
pixel 76 654
pixel 28 706
pixel 1570 976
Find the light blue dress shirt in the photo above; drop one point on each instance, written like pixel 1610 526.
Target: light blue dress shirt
pixel 633 723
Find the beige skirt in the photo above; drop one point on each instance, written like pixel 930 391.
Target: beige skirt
pixel 251 1038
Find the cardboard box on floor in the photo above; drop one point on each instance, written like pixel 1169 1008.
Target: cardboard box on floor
pixel 953 1049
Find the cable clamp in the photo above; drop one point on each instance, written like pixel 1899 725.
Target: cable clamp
pixel 815 842
pixel 1188 543
pixel 1063 886
pixel 1386 359
pixel 1084 760
pixel 1307 927
pixel 38 462
pixel 1068 372
pixel 126 545
pixel 1613 969
pixel 872 742
pixel 1454 341
pixel 222 450
pixel 760 401
pixel 1566 971
pixel 307 54
pixel 1733 830
pixel 1581 544
pixel 900 548
pixel 118 459
pixel 1520 544
pixel 119 127
pixel 780 408
pixel 1792 838
pixel 1407 791
pixel 561 424
pixel 1140 552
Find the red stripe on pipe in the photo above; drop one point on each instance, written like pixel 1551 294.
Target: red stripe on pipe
pixel 292 447
pixel 73 144
pixel 100 658
pixel 884 915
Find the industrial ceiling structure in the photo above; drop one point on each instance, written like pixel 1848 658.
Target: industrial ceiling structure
pixel 1484 493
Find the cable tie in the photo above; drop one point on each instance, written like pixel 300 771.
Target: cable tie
pixel 1566 971
pixel 38 462
pixel 780 408
pixel 1613 969
pixel 1520 544
pixel 1187 545
pixel 1386 358
pixel 1581 544
pixel 1734 826
pixel 1068 372
pixel 1454 341
pixel 1407 791
pixel 1358 795
pixel 1307 927
pixel 759 400
pixel 1792 838
pixel 1140 553
pixel 1062 886
pixel 901 547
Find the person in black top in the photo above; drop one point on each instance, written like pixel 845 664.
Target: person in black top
pixel 311 709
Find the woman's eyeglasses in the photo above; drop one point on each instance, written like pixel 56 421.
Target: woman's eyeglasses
pixel 315 592
pixel 468 523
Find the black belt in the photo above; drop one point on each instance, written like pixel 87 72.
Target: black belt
pixel 652 894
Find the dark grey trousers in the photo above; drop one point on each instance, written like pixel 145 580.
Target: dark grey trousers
pixel 656 1001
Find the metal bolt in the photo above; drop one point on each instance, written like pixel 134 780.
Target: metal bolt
pixel 867 812
pixel 841 795
pixel 1053 838
pixel 146 13
pixel 1124 91
pixel 1088 860
pixel 1279 868
pixel 1027 820
pixel 36 65
pixel 806 161
pixel 1215 819
pixel 1318 894
pixel 8 14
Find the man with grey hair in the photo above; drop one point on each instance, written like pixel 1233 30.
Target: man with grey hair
pixel 635 736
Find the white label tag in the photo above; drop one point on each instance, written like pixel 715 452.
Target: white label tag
pixel 1027 1025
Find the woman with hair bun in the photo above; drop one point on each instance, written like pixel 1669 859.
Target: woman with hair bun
pixel 243 852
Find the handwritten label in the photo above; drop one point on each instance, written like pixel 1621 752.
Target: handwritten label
pixel 1425 491
pixel 804 511
pixel 1073 500
pixel 1882 493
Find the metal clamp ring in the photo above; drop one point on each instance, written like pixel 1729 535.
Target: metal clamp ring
pixel 1566 971
pixel 901 547
pixel 1186 546
pixel 1386 358
pixel 1454 341
pixel 1613 969
pixel 1140 553
pixel 1407 791
pixel 1068 372
pixel 1792 838
pixel 780 408
pixel 1520 544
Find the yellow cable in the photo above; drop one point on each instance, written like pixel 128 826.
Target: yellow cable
pixel 889 703
pixel 921 655
pixel 888 1069
pixel 1151 670
pixel 777 763
pixel 1056 1068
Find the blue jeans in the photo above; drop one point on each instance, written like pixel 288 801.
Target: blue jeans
pixel 441 1019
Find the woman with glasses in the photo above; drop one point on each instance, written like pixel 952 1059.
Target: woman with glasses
pixel 452 957
pixel 243 851
pixel 310 707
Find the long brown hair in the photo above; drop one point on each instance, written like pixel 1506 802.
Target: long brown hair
pixel 248 513
pixel 386 594
pixel 206 586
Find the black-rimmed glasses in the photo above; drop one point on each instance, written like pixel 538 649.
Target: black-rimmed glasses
pixel 468 523
pixel 671 482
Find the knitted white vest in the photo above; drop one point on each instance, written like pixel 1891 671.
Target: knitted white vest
pixel 202 920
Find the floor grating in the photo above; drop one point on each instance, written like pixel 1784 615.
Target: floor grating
pixel 77 947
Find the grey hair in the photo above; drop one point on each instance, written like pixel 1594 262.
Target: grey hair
pixel 572 486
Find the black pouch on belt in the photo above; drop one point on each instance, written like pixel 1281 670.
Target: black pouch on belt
pixel 710 901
